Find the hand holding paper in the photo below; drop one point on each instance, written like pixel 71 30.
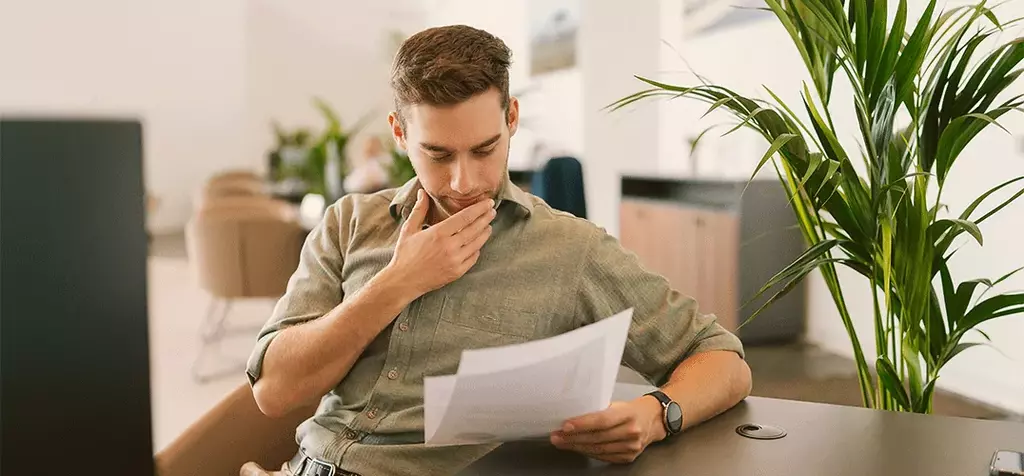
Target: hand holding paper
pixel 526 390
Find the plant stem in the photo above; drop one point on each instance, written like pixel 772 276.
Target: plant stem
pixel 828 272
pixel 897 335
pixel 897 349
pixel 867 387
pixel 881 345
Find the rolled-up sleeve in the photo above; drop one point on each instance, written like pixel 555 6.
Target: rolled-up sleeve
pixel 313 289
pixel 667 326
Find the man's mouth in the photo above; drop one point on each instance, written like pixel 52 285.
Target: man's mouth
pixel 463 203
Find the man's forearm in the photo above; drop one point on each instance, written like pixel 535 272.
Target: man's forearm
pixel 304 362
pixel 705 385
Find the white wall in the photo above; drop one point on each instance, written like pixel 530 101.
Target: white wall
pixel 178 66
pixel 618 40
pixel 744 63
pixel 338 51
pixel 206 78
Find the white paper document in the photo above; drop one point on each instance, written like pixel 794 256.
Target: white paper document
pixel 527 390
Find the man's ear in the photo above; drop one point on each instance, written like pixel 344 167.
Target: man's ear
pixel 513 115
pixel 396 130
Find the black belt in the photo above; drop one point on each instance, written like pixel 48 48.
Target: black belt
pixel 302 465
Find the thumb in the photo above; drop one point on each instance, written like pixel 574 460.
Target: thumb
pixel 418 214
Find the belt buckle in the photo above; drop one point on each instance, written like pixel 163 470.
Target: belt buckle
pixel 320 464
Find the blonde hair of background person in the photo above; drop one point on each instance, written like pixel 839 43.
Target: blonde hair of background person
pixel 369 168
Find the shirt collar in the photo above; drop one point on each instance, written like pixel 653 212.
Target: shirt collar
pixel 405 198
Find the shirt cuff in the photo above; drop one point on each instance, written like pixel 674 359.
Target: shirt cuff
pixel 718 338
pixel 254 367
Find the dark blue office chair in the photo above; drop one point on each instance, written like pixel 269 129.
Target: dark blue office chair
pixel 560 184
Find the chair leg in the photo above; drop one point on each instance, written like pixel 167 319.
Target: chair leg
pixel 216 329
pixel 211 332
pixel 207 328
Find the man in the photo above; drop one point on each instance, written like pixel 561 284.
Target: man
pixel 392 286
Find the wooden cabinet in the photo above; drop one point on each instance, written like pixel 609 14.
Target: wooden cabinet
pixel 716 271
pixel 646 225
pixel 717 245
pixel 694 249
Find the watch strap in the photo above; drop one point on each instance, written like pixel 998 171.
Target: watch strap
pixel 665 401
pixel 661 397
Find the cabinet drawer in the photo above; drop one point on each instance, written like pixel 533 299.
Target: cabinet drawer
pixel 663 236
pixel 718 266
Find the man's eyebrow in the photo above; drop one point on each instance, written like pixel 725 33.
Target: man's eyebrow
pixel 434 148
pixel 442 149
pixel 487 142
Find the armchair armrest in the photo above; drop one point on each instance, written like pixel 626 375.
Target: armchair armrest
pixel 229 435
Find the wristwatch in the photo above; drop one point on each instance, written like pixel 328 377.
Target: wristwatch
pixel 673 415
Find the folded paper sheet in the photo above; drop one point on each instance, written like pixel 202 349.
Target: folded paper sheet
pixel 527 390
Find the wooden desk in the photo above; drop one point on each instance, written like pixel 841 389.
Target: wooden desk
pixel 821 440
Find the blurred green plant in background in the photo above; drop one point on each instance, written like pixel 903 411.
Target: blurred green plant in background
pixel 401 170
pixel 300 156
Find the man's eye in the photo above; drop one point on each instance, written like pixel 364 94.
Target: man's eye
pixel 440 158
pixel 483 153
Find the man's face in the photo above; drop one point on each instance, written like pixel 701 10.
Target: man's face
pixel 460 152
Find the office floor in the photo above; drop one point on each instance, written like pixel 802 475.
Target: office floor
pixel 177 308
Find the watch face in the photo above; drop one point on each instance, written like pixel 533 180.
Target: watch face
pixel 674 417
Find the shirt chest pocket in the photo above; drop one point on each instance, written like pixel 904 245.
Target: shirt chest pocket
pixel 476 323
pixel 490 316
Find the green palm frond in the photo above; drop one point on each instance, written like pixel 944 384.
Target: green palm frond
pixel 887 223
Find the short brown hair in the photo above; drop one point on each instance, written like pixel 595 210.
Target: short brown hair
pixel 446 65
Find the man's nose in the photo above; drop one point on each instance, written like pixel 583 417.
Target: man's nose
pixel 462 179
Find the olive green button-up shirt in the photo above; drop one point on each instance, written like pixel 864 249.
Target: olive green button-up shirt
pixel 542 273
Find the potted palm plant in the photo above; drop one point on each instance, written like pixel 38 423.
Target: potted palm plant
pixel 886 220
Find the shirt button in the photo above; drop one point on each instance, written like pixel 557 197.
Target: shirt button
pixel 403 326
pixel 372 414
pixel 393 374
pixel 351 435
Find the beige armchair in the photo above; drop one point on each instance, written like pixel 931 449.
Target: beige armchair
pixel 230 185
pixel 231 434
pixel 239 248
pixel 236 175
